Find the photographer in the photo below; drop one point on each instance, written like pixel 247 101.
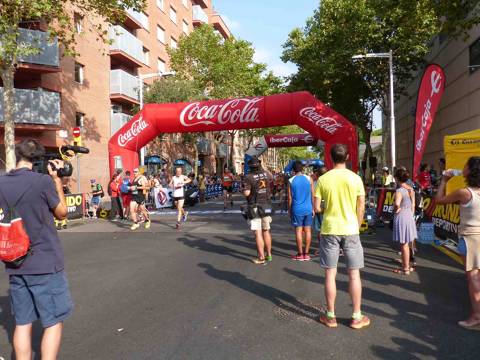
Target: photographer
pixel 38 288
pixel 257 192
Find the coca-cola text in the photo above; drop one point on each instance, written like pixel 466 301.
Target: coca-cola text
pixel 328 124
pixel 136 128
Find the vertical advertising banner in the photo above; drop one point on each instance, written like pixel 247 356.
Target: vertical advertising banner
pixel 430 93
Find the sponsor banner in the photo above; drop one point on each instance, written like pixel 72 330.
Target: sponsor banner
pixel 385 204
pixel 445 218
pixel 328 124
pixel 429 96
pixel 75 206
pixel 290 140
pixel 163 197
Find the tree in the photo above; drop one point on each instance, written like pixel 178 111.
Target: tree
pixel 222 68
pixel 58 18
pixel 340 29
pixel 173 90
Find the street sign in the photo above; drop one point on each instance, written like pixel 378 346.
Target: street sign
pixel 76 132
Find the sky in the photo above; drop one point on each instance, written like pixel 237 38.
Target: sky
pixel 266 24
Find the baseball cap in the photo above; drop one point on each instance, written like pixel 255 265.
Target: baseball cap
pixel 93 181
pixel 385 168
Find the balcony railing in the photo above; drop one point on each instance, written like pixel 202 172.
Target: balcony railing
pixel 37 107
pixel 199 15
pixel 140 17
pixel 48 54
pixel 123 41
pixel 117 121
pixel 122 83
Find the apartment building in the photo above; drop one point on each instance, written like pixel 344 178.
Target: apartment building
pixel 98 89
pixel 459 109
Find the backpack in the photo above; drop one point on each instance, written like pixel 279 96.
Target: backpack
pixel 124 188
pixel 14 240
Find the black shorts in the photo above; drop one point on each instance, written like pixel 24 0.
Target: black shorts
pixel 139 199
pixel 228 189
pixel 178 198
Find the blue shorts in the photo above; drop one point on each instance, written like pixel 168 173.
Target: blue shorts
pixel 45 297
pixel 96 200
pixel 302 220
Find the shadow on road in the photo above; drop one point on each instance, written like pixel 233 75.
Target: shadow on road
pixel 279 298
pixel 197 242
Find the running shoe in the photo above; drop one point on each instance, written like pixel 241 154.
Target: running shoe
pixel 147 224
pixel 358 324
pixel 297 257
pixel 269 258
pixel 185 216
pixel 306 257
pixel 177 226
pixel 328 322
pixel 134 226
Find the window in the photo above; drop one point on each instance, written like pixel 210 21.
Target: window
pixel 185 3
pixel 161 66
pixel 146 56
pixel 79 117
pixel 79 73
pixel 173 43
pixel 185 27
pixel 173 15
pixel 160 35
pixel 78 21
pixel 161 4
pixel 475 56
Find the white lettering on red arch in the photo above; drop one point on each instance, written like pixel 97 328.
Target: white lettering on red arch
pixel 135 129
pixel 328 124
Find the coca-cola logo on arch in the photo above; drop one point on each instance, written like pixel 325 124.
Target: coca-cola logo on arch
pixel 231 112
pixel 135 129
pixel 328 124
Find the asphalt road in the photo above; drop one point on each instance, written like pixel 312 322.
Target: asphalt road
pixel 194 294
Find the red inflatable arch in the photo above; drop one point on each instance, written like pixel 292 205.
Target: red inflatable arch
pixel 299 108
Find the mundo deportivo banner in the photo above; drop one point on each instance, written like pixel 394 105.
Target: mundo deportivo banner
pixel 429 96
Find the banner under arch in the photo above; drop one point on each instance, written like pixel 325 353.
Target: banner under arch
pixel 299 108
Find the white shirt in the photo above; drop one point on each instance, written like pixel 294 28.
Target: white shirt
pixel 178 184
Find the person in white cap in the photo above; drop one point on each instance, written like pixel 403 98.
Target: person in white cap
pixel 387 177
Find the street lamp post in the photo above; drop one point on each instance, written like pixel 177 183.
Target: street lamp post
pixel 142 77
pixel 388 55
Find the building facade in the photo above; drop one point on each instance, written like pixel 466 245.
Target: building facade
pixel 98 89
pixel 459 109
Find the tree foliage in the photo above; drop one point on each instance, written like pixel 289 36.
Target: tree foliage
pixel 339 29
pixel 57 17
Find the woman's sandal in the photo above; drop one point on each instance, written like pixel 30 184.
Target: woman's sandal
pixel 402 271
pixel 470 325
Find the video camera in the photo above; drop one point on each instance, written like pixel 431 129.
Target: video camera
pixel 66 154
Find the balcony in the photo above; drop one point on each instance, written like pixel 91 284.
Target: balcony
pixel 133 19
pixel 124 87
pixel 117 121
pixel 125 48
pixel 220 26
pixel 47 60
pixel 201 3
pixel 199 16
pixel 38 107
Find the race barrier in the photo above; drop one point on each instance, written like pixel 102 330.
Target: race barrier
pixel 75 206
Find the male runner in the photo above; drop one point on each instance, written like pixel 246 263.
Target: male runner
pixel 139 189
pixel 178 183
pixel 227 187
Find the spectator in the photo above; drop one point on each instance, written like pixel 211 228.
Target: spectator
pixel 404 227
pixel 387 178
pixel 469 231
pixel 257 192
pixel 344 197
pixel 424 179
pixel 39 287
pixel 114 187
pixel 97 194
pixel 126 194
pixel 300 207
pixel 202 186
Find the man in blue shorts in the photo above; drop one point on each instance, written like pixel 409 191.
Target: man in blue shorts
pixel 300 205
pixel 39 287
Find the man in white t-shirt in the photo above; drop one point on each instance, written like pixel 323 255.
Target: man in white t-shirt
pixel 178 183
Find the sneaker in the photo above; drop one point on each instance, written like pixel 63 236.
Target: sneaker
pixel 306 257
pixel 147 224
pixel 177 226
pixel 185 216
pixel 358 324
pixel 297 257
pixel 328 322
pixel 134 226
pixel 269 258
pixel 258 261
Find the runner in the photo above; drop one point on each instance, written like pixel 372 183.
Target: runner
pixel 178 183
pixel 300 207
pixel 139 189
pixel 227 187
